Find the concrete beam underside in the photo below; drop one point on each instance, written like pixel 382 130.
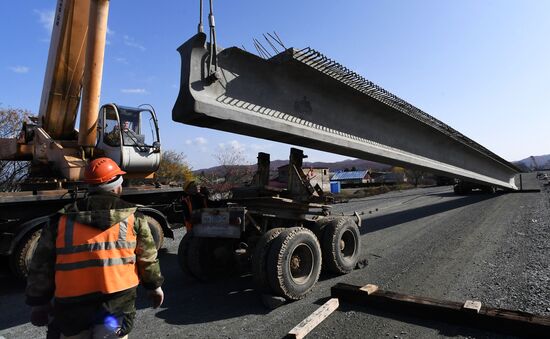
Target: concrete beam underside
pixel 288 102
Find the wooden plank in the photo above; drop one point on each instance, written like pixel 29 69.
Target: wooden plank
pixel 369 288
pixel 494 319
pixel 472 305
pixel 314 319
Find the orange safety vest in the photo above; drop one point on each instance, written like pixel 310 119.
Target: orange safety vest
pixel 189 205
pixel 91 260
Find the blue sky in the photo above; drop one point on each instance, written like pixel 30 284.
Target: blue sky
pixel 481 66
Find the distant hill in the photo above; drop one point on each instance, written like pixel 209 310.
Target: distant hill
pixel 332 166
pixel 543 161
pixel 526 164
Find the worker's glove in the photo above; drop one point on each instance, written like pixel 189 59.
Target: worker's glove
pixel 156 296
pixel 39 315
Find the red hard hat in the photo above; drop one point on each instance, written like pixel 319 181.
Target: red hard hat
pixel 101 170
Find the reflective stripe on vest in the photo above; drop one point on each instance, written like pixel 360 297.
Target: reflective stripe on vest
pixel 91 260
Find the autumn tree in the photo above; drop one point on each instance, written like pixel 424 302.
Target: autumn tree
pixel 174 168
pixel 416 175
pixel 233 170
pixel 12 172
pixel 397 169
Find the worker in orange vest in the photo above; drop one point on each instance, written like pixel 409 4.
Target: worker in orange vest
pixel 90 258
pixel 194 198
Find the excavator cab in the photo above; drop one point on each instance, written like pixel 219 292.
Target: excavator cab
pixel 130 136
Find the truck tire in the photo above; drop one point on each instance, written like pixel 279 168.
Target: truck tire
pixel 341 246
pixel 210 259
pixel 259 259
pixel 20 259
pixel 156 231
pixel 183 253
pixel 294 263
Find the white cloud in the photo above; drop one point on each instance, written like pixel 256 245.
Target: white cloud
pixel 201 141
pixel 20 69
pixel 198 141
pixel 109 33
pixel 232 145
pixel 130 42
pixel 121 60
pixel 134 91
pixel 45 18
pixel 237 145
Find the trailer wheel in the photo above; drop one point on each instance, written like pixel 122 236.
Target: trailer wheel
pixel 211 258
pixel 341 245
pixel 20 259
pixel 183 253
pixel 156 231
pixel 259 258
pixel 294 263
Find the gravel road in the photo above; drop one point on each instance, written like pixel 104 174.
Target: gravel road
pixel 426 241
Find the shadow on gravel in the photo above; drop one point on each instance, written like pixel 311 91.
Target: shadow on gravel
pixel 188 301
pixel 444 329
pixel 372 224
pixel 12 299
pixel 387 196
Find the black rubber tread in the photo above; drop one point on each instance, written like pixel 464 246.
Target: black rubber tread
pixel 183 252
pixel 259 259
pixel 319 225
pixel 459 190
pixel 206 263
pixel 278 263
pixel 20 259
pixel 156 231
pixel 193 259
pixel 333 259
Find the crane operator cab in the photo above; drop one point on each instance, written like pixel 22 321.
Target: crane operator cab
pixel 130 136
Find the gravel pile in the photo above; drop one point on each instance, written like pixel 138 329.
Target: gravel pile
pixel 519 278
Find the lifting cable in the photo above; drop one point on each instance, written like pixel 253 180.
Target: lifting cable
pixel 200 27
pixel 213 63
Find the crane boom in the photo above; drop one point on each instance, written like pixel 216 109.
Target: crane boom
pixel 64 69
pixel 74 71
pixel 78 38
